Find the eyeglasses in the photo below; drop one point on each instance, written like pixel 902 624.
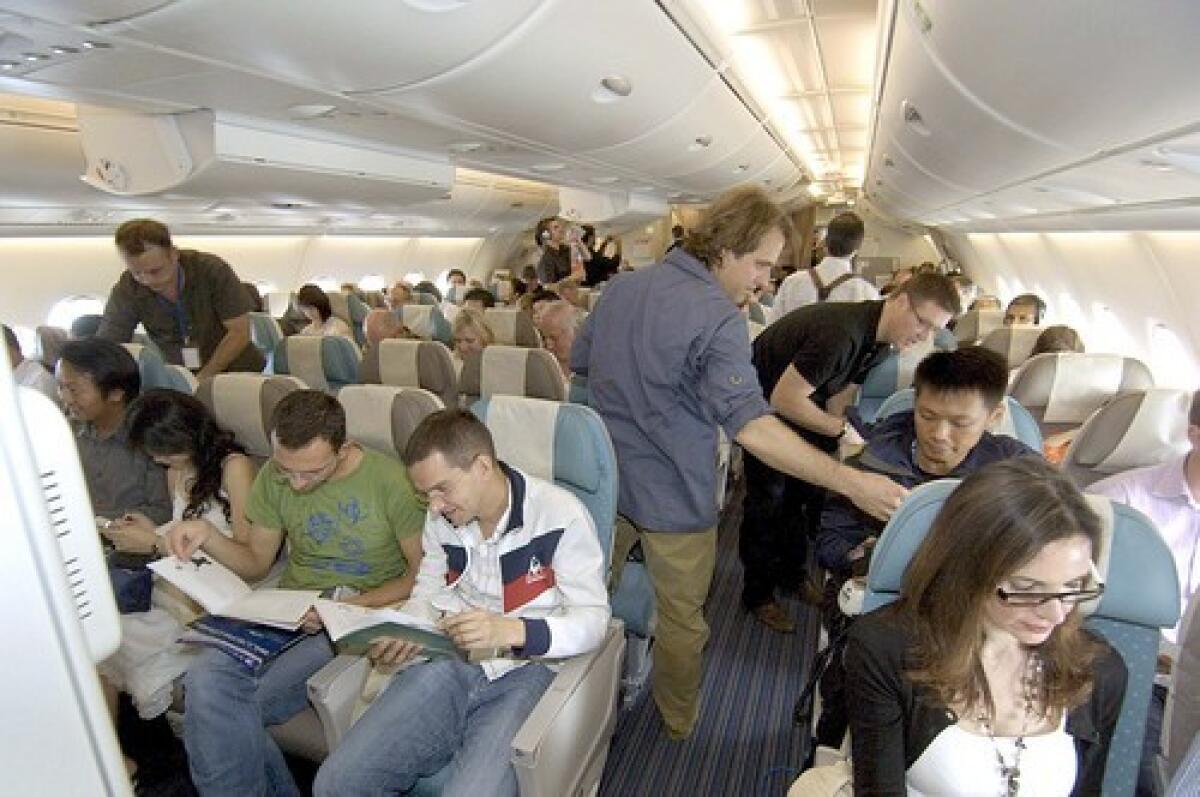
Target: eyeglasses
pixel 1070 598
pixel 305 476
pixel 925 324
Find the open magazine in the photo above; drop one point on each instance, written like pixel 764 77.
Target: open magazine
pixel 222 592
pixel 354 628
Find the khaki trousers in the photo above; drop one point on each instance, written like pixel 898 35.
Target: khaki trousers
pixel 680 566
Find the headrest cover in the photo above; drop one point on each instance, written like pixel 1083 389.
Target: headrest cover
pixel 503 371
pixel 243 403
pixel 1133 431
pixel 383 417
pixel 398 363
pixel 523 431
pixel 419 318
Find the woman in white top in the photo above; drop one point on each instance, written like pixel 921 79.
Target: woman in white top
pixel 980 679
pixel 209 478
pixel 314 303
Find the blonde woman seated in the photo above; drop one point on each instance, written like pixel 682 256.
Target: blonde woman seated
pixel 471 335
pixel 313 302
pixel 980 679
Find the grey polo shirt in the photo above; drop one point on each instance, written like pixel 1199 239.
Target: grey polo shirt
pixel 120 479
pixel 212 293
pixel 667 359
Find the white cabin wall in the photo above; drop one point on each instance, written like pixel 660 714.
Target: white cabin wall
pixel 1120 290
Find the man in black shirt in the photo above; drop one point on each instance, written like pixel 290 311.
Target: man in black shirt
pixel 809 362
pixel 555 262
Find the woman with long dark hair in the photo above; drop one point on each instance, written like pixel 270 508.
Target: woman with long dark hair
pixel 208 478
pixel 980 679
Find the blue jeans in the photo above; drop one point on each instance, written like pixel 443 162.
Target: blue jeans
pixel 444 713
pixel 228 709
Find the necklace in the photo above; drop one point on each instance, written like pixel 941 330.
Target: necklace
pixel 1031 683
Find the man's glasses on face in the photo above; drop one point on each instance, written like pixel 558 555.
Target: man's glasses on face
pixel 306 476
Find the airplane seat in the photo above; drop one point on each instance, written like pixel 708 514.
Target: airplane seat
pixel 383 417
pixel 423 298
pixel 974 325
pixel 1062 389
pixel 894 373
pixel 1133 430
pixel 512 327
pixel 323 362
pixel 265 333
pixel 1141 597
pixel 50 341
pixel 352 310
pixel 1181 720
pixel 153 369
pixel 243 403
pixel 562 746
pixel 511 371
pixel 1016 422
pixel 183 380
pixel 1014 343
pixel 577 390
pixel 427 321
pixel 411 363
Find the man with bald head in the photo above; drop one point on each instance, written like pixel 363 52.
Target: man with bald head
pixel 383 324
pixel 559 322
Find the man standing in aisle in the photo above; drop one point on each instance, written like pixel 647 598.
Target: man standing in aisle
pixel 667 358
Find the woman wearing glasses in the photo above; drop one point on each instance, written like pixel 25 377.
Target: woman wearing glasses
pixel 980 679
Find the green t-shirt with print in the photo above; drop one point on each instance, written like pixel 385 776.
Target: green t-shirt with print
pixel 346 532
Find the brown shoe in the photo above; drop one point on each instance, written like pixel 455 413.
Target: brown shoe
pixel 774 617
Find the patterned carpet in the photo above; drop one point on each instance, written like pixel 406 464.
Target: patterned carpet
pixel 745 742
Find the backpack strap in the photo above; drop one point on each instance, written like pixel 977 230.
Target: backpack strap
pixel 823 291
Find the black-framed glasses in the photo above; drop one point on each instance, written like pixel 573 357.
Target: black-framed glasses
pixel 1071 598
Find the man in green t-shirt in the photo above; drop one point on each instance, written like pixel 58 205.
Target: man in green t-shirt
pixel 351 519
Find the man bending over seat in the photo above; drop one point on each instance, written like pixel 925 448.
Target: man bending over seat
pixel 351 520
pixel 958 396
pixel 514 573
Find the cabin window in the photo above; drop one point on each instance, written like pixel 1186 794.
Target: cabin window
pixel 1171 362
pixel 326 283
pixel 413 277
pixel 27 338
pixel 65 311
pixel 372 282
pixel 266 288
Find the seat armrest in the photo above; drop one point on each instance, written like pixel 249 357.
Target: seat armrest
pixel 563 743
pixel 333 691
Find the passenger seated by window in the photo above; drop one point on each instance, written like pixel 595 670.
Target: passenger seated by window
pixel 400 295
pixel 478 299
pixel 986 302
pixel 471 335
pixel 28 373
pixel 1168 494
pixel 208 478
pixel 97 380
pixel 514 574
pixel 980 679
pixel 959 394
pixel 1058 338
pixel 313 302
pixel 191 303
pixel 385 325
pixel 351 520
pixel 1026 309
pixel 560 322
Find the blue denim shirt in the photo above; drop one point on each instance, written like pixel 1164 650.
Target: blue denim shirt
pixel 667 359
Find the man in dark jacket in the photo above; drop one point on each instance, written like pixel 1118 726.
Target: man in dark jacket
pixel 959 395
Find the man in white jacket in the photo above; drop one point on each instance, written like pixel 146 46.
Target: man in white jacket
pixel 514 574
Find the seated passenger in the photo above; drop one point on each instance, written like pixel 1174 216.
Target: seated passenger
pixel 514 574
pixel 1026 309
pixel 86 326
pixel 383 325
pixel 457 279
pixel 313 302
pixel 429 289
pixel 980 679
pixel 959 394
pixel 350 520
pixel 400 295
pixel 568 291
pixel 471 334
pixel 1058 338
pixel 29 373
pixel 97 379
pixel 209 478
pixel 536 301
pixel 560 322
pixel 478 299
pixel 191 303
pixel 1168 494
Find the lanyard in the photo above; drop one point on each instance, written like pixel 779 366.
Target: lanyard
pixel 177 308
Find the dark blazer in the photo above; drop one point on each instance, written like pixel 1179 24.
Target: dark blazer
pixel 892 722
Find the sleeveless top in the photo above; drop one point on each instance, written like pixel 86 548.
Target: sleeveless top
pixel 960 763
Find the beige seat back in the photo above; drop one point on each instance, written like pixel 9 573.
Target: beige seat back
pixel 50 341
pixel 1015 344
pixel 1062 390
pixel 512 327
pixel 383 417
pixel 976 324
pixel 512 371
pixel 243 403
pixel 411 363
pixel 1132 431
